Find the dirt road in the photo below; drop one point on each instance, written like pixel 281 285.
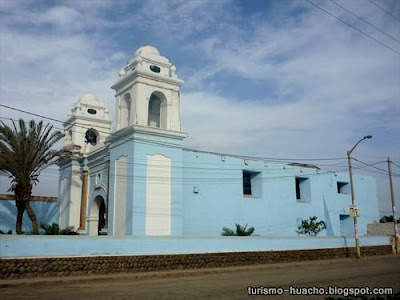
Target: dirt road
pixel 226 283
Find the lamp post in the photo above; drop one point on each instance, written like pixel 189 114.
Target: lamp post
pixel 352 193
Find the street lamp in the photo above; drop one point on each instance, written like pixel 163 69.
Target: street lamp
pixel 352 193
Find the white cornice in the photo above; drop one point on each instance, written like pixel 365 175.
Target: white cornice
pixel 72 118
pixel 145 74
pixel 129 131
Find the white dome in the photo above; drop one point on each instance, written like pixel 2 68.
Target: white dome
pixel 147 50
pixel 88 98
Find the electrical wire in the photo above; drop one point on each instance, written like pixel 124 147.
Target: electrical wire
pixel 188 149
pixel 348 24
pixel 383 170
pixel 279 160
pixel 380 7
pixel 372 25
pixel 395 164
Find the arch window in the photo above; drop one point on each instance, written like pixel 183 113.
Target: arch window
pixel 125 107
pixel 157 110
pixel 154 111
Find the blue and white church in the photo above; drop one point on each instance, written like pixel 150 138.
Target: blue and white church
pixel 135 178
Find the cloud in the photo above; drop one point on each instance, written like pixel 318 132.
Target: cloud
pixel 178 20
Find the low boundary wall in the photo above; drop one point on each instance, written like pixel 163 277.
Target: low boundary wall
pixel 42 245
pixel 65 266
pixel 44 256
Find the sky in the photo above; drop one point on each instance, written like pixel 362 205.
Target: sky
pixel 278 78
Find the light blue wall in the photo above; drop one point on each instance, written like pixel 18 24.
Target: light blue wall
pixel 219 201
pixel 46 212
pixel 36 246
pixel 137 147
pixel 207 191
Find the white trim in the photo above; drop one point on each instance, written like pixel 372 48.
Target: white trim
pixel 158 195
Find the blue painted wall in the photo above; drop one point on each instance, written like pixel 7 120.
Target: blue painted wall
pixel 137 148
pixel 213 197
pixel 207 190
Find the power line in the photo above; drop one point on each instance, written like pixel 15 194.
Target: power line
pixel 383 9
pixel 348 24
pixel 264 158
pixel 362 19
pixel 278 160
pixel 15 120
pixel 30 113
pixel 188 149
pixel 395 164
pixel 275 160
pixel 372 166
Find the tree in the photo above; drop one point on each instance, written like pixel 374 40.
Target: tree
pixel 240 231
pixel 24 153
pixel 311 227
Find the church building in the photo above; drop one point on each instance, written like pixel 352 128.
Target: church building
pixel 135 178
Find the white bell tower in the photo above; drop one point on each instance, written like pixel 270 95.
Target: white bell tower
pixel 146 149
pixel 88 123
pixel 147 92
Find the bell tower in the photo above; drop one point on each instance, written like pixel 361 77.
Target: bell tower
pixel 88 123
pixel 146 149
pixel 147 92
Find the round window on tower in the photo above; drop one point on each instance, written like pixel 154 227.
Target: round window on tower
pixel 92 111
pixel 155 69
pixel 91 137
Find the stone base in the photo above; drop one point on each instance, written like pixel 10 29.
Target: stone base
pixel 65 266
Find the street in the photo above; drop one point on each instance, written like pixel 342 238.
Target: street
pixel 223 283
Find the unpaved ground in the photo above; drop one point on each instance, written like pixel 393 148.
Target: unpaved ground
pixel 225 283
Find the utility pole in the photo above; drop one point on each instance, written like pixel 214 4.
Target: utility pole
pixel 357 241
pixel 396 234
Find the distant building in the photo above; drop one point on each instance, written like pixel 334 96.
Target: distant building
pixel 137 179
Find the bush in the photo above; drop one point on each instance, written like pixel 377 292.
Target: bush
pixel 311 227
pixel 240 231
pixel 54 229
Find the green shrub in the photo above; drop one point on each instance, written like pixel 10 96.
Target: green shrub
pixel 311 227
pixel 54 229
pixel 240 231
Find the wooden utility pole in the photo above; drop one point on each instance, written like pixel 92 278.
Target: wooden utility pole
pixel 396 234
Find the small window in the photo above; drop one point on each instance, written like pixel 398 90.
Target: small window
pixel 98 178
pixel 247 183
pixel 252 184
pixel 92 111
pixel 343 187
pixel 155 69
pixel 303 189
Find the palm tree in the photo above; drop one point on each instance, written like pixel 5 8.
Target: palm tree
pixel 24 153
pixel 240 231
